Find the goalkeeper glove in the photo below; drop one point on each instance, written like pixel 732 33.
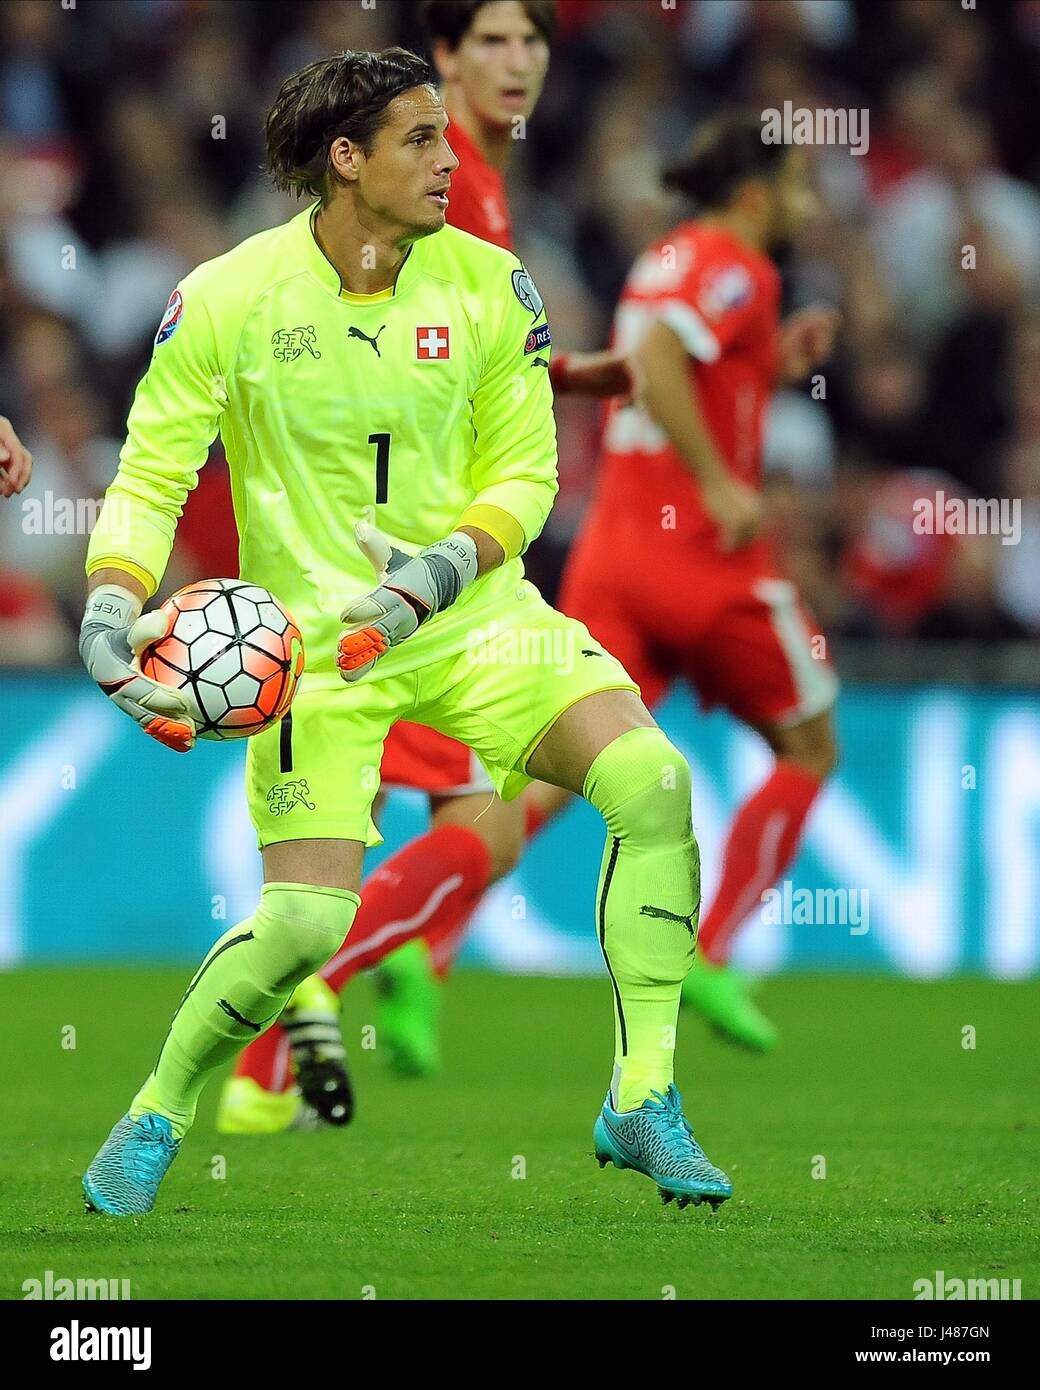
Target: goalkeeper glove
pixel 411 589
pixel 111 640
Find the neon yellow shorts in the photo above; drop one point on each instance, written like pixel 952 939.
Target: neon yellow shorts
pixel 316 774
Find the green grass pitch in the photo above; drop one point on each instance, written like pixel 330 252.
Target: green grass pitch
pixel 931 1152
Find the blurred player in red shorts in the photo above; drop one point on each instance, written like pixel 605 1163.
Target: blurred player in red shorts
pixel 670 570
pixel 492 56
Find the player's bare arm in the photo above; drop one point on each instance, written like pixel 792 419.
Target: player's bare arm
pixel 669 396
pixel 15 461
pixel 100 578
pixel 598 374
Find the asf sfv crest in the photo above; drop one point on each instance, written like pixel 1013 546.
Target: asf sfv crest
pixel 289 343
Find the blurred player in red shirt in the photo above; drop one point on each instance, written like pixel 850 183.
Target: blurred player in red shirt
pixel 671 571
pixel 492 57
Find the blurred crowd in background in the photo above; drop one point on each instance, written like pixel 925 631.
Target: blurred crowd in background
pixel 117 176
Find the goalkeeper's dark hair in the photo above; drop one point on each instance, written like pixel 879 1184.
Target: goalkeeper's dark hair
pixel 721 156
pixel 450 19
pixel 345 94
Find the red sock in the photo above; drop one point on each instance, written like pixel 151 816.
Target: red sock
pixel 446 937
pixel 428 889
pixel 762 842
pixel 267 1060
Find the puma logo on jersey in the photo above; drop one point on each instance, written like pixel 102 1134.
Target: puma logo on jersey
pixel 353 332
pixel 687 919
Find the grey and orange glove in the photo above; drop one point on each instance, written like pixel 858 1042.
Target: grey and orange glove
pixel 111 640
pixel 411 590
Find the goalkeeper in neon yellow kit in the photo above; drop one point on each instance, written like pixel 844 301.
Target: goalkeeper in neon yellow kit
pixel 378 380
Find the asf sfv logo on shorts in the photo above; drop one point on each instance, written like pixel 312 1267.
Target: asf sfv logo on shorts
pixel 282 798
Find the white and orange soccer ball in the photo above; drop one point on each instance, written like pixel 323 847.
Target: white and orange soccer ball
pixel 235 648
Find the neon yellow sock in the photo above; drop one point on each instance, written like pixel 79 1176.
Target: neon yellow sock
pixel 648 902
pixel 241 988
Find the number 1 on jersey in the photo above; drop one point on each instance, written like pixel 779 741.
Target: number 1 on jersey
pixel 382 443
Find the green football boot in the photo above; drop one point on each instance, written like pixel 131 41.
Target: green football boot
pixel 721 995
pixel 408 1011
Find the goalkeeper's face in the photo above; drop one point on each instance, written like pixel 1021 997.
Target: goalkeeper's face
pixel 404 181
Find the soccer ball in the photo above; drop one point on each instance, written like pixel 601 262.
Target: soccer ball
pixel 236 648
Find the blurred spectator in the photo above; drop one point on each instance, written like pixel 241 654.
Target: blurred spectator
pixel 878 400
pixel 970 610
pixel 43 531
pixel 958 200
pixel 901 572
pixel 1018 566
pixel 799 440
pixel 130 150
pixel 32 631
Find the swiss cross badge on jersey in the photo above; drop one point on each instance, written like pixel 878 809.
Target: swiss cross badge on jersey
pixel 431 344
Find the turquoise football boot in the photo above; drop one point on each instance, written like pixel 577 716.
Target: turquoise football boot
pixel 656 1140
pixel 128 1168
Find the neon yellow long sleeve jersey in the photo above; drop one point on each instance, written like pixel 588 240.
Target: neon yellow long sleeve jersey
pixel 419 409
